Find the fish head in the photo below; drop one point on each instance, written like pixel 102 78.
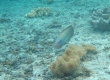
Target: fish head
pixel 59 43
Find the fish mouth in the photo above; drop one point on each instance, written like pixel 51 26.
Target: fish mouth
pixel 57 45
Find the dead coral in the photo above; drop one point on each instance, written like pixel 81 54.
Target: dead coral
pixel 39 12
pixel 100 19
pixel 31 14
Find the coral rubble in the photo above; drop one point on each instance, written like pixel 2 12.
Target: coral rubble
pixel 40 11
pixel 100 19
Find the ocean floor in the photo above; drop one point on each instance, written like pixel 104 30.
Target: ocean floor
pixel 26 44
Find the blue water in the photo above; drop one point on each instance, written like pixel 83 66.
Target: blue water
pixel 26 44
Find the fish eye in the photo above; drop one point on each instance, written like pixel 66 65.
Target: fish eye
pixel 60 41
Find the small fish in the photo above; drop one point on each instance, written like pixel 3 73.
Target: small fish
pixel 64 37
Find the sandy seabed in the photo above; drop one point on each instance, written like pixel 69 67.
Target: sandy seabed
pixel 26 45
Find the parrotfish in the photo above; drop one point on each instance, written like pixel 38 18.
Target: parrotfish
pixel 64 37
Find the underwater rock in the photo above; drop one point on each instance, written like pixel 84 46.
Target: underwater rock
pixel 67 0
pixel 50 1
pixel 4 20
pixel 39 12
pixel 54 24
pixel 28 71
pixel 25 59
pixel 100 19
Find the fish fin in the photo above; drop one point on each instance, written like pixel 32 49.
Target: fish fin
pixel 70 26
pixel 66 42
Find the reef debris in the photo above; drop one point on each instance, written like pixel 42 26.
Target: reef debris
pixel 100 19
pixel 39 12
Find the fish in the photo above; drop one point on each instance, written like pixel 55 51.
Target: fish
pixel 64 37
